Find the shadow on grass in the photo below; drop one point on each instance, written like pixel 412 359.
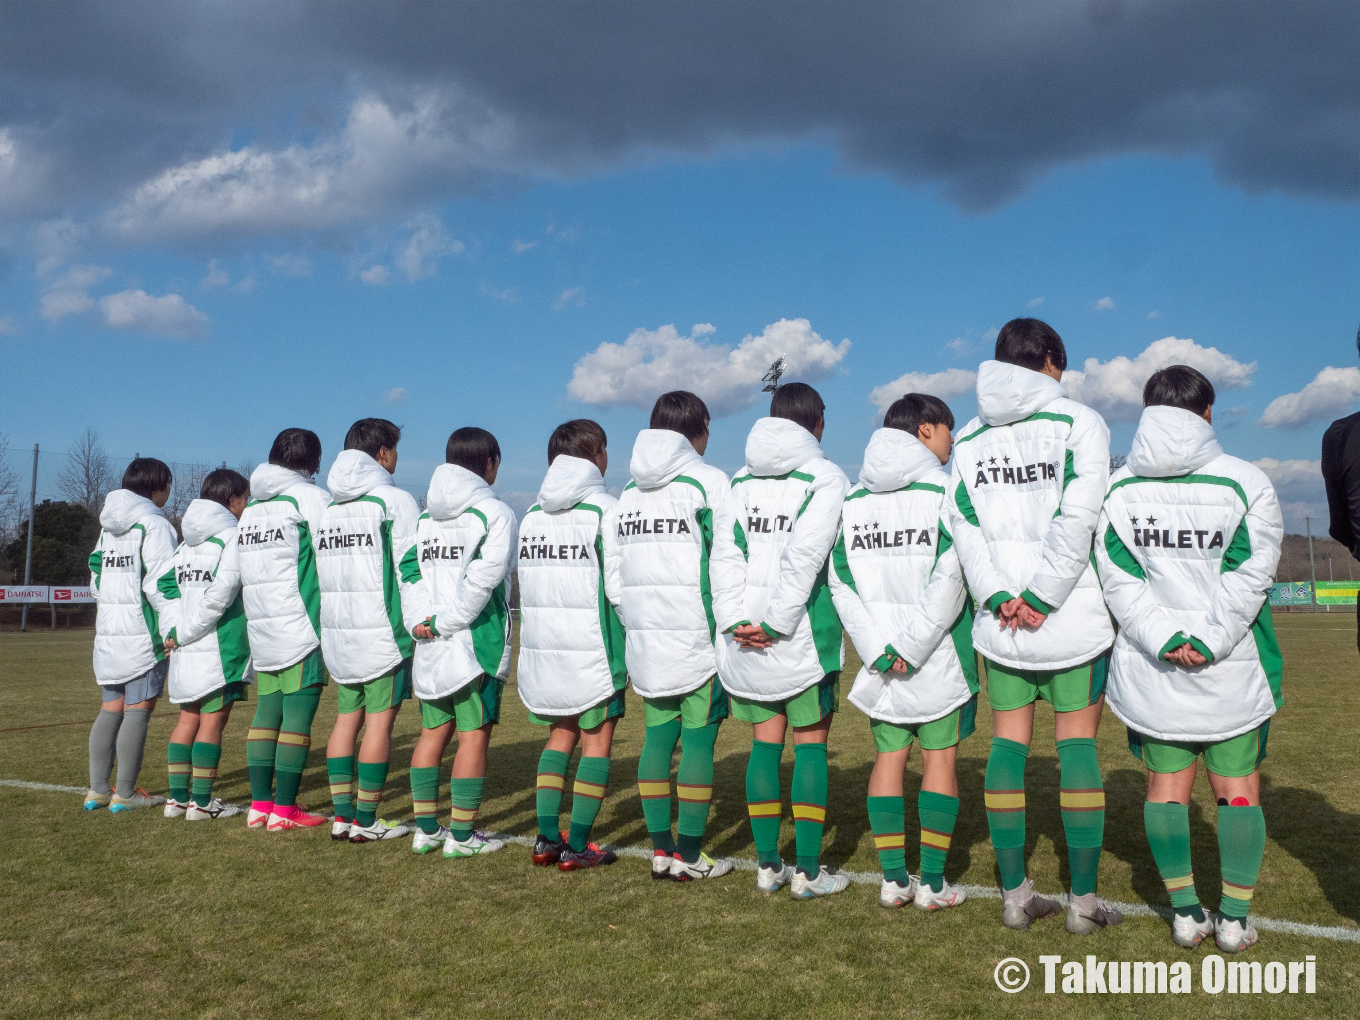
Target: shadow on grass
pixel 1319 837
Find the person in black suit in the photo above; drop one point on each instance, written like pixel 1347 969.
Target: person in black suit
pixel 1341 475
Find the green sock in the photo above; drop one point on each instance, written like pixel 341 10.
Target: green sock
pixel 177 759
pixel 1082 800
pixel 888 820
pixel 937 813
pixel 654 782
pixel 295 740
pixel 425 798
pixel 552 780
pixel 1241 848
pixel 587 794
pixel 762 799
pixel 372 778
pixel 694 789
pixel 1168 833
pixel 1004 796
pixel 262 745
pixel 808 793
pixel 466 795
pixel 205 760
pixel 340 772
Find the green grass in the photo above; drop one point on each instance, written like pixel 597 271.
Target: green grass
pixel 137 916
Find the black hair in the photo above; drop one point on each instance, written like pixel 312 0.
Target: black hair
pixel 799 403
pixel 146 475
pixel 680 411
pixel 1179 386
pixel 579 437
pixel 471 447
pixel 224 485
pixel 1030 343
pixel 371 434
pixel 298 450
pixel 911 411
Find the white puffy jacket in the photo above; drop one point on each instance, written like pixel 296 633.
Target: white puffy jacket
pixel 898 586
pixel 457 576
pixel 788 499
pixel 571 643
pixel 663 571
pixel 134 550
pixel 1028 479
pixel 204 586
pixel 278 566
pixel 364 534
pixel 1188 544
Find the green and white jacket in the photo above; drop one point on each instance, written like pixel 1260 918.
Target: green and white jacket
pixel 1187 546
pixel 208 615
pixel 365 532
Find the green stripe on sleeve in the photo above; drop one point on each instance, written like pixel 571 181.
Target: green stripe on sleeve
pixel 1120 556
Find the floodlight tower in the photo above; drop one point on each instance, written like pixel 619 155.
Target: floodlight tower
pixel 772 377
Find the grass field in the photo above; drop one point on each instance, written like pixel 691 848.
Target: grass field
pixel 138 916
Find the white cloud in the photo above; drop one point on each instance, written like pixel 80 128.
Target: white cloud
pixel 216 277
pixel 428 243
pixel 396 395
pixel 1034 302
pixel 952 382
pixel 959 344
pixel 54 241
pixel 245 286
pixel 377 276
pixel 1154 314
pixel 650 362
pixel 140 312
pixel 1105 304
pixel 1115 387
pixel 1331 394
pixel 505 295
pixel 520 247
pixel 8 325
pixel 1298 483
pixel 290 265
pixel 572 297
pixel 69 293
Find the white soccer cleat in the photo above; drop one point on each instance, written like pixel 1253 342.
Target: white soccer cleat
pixel 661 866
pixel 704 867
pixel 176 808
pixel 1233 936
pixel 770 879
pixel 927 898
pixel 1187 932
pixel 477 843
pixel 139 799
pixel 94 801
pixel 897 894
pixel 380 829
pixel 340 829
pixel 825 884
pixel 216 809
pixel 425 843
pixel 1089 914
pixel 258 818
pixel 1022 906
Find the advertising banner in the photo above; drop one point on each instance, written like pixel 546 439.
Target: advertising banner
pixel 18 595
pixel 1337 593
pixel 73 596
pixel 1291 593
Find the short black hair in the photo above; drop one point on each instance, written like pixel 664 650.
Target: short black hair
pixel 298 450
pixel 471 447
pixel 224 485
pixel 911 411
pixel 579 437
pixel 371 434
pixel 799 403
pixel 146 475
pixel 1030 343
pixel 680 411
pixel 1179 386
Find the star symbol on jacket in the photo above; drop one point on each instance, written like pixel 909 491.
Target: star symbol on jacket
pixel 1152 520
pixel 875 525
pixel 1134 520
pixel 1005 460
pixel 992 459
pixel 979 463
pixel 755 509
pixel 854 527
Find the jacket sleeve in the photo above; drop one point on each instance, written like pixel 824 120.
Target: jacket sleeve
pixel 869 642
pixel 809 546
pixel 482 575
pixel 727 562
pixel 313 507
pixel 416 605
pixel 97 565
pixel 609 543
pixel 217 598
pixel 974 552
pixel 1153 629
pixel 158 555
pixel 1067 544
pixel 942 601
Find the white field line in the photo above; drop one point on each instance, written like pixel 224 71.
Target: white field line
pixel 977 892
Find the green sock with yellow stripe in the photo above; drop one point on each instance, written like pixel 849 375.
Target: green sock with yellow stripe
pixel 694 788
pixel 178 759
pixel 763 799
pixel 808 793
pixel 1082 800
pixel 937 813
pixel 466 795
pixel 552 780
pixel 372 779
pixel 654 782
pixel 295 741
pixel 1004 796
pixel 340 775
pixel 425 797
pixel 262 745
pixel 587 794
pixel 888 820
pixel 206 758
pixel 1168 833
pixel 1241 848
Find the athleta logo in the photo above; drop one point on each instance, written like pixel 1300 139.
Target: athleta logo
pixel 873 539
pixel 435 551
pixel 1167 538
pixel 119 561
pixel 1020 474
pixel 761 525
pixel 652 525
pixel 353 540
pixel 184 574
pixel 259 536
pixel 537 549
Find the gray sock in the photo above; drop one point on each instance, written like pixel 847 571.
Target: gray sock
pixel 131 744
pixel 103 736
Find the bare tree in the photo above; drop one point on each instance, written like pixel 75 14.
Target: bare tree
pixel 184 489
pixel 246 467
pixel 89 474
pixel 11 502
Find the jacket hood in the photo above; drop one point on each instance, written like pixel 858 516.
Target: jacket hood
pixel 659 455
pixel 268 480
pixel 777 446
pixel 568 481
pixel 204 519
pixel 894 459
pixel 453 489
pixel 124 508
pixel 1008 393
pixel 1171 441
pixel 355 474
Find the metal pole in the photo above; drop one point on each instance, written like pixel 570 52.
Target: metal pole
pixel 28 556
pixel 1308 524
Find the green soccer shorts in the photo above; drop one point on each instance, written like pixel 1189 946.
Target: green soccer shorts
pixel 805 709
pixel 1068 690
pixel 611 707
pixel 379 694
pixel 1235 757
pixel 222 697
pixel 469 708
pixel 936 735
pixel 310 672
pixel 701 707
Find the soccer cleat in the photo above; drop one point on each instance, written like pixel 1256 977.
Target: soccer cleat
pixel 95 801
pixel 477 843
pixel 704 867
pixel 258 817
pixel 548 852
pixel 1233 936
pixel 593 856
pixel 340 829
pixel 215 809
pixel 927 898
pixel 424 841
pixel 897 894
pixel 295 817
pixel 661 866
pixel 1187 932
pixel 1022 906
pixel 825 884
pixel 139 799
pixel 770 879
pixel 380 829
pixel 1088 914
pixel 176 808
